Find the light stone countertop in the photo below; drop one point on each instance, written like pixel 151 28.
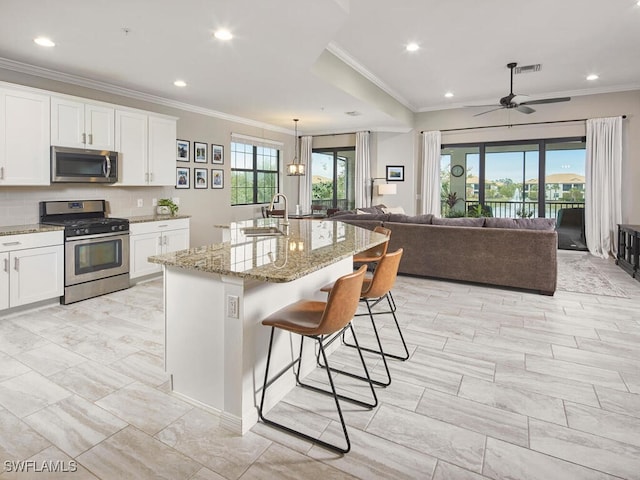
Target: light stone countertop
pixel 309 246
pixel 155 218
pixel 31 228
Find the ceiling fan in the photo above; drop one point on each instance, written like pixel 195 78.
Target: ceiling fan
pixel 507 102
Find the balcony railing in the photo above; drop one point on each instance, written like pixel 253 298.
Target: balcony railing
pixel 513 209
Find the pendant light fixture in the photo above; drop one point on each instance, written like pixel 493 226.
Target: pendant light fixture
pixel 295 169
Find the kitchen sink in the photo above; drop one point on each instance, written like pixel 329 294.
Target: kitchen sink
pixel 262 232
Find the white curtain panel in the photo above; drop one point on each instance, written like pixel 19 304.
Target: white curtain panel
pixel 363 169
pixel 306 151
pixel 431 172
pixel 603 183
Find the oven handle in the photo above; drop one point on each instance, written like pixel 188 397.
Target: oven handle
pixel 97 235
pixel 107 166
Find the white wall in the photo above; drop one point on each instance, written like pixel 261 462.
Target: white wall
pixel 396 149
pixel 581 107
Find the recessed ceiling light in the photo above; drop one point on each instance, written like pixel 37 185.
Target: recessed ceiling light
pixel 593 76
pixel 223 34
pixel 412 47
pixel 448 94
pixel 44 42
pixel 180 83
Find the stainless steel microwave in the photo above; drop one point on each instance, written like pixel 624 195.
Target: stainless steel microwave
pixel 78 165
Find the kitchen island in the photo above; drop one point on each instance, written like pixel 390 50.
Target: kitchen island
pixel 217 295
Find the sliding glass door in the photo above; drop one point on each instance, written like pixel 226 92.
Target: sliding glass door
pixel 332 184
pixel 532 178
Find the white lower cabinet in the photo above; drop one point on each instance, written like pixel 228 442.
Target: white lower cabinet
pixel 32 268
pixel 155 238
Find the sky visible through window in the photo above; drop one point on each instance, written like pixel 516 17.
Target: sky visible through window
pixel 509 164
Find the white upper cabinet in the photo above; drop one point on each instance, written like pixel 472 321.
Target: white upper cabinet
pixel 24 137
pixel 162 150
pixel 80 124
pixel 146 144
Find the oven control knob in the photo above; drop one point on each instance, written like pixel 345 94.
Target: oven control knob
pixel 113 228
pixel 121 227
pixel 77 232
pixel 86 231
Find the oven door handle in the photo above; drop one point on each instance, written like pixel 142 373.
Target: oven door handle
pixel 97 235
pixel 106 168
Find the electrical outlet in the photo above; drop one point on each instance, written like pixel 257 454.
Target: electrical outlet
pixel 140 203
pixel 154 202
pixel 232 306
pixel 176 200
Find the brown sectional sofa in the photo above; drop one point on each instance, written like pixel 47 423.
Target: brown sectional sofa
pixel 519 253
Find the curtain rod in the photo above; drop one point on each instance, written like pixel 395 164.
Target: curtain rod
pixel 515 125
pixel 336 134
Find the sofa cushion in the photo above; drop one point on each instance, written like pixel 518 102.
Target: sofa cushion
pixel 376 209
pixel 381 217
pixel 521 223
pixel 424 219
pixel 459 222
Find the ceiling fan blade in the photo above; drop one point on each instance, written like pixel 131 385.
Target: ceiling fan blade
pixel 547 100
pixel 525 109
pixel 485 106
pixel 488 111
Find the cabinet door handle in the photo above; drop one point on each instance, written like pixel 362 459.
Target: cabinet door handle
pixel 91 139
pixel 84 138
pixel 151 177
pixel 1 173
pixel 6 265
pixel 166 240
pixel 160 240
pixel 10 244
pixel 16 264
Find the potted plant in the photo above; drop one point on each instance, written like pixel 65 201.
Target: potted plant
pixel 166 207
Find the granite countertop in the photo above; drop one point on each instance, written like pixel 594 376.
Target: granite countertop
pixel 31 228
pixel 155 218
pixel 308 247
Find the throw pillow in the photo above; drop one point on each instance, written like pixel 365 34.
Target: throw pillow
pixel 393 210
pixel 362 212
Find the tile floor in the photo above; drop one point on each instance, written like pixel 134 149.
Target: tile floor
pixel 500 384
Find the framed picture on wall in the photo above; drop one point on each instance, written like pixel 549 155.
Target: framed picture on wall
pixel 182 150
pixel 395 173
pixel 182 177
pixel 200 178
pixel 217 178
pixel 200 152
pixel 217 154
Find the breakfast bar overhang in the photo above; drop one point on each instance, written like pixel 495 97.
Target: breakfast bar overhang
pixel 216 296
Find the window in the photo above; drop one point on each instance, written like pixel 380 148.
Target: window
pixel 505 177
pixel 255 173
pixel 332 183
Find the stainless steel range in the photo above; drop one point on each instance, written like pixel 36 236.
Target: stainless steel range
pixel 96 251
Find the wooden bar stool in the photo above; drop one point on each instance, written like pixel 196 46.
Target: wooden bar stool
pixel 374 290
pixel 322 322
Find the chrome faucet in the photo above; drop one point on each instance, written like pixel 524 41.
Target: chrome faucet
pixel 286 207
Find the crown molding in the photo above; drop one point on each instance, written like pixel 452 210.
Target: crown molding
pixel 135 94
pixel 568 93
pixel 336 50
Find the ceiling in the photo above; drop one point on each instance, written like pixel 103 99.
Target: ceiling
pixel 316 60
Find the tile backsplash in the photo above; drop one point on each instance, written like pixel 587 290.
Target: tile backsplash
pixel 19 205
